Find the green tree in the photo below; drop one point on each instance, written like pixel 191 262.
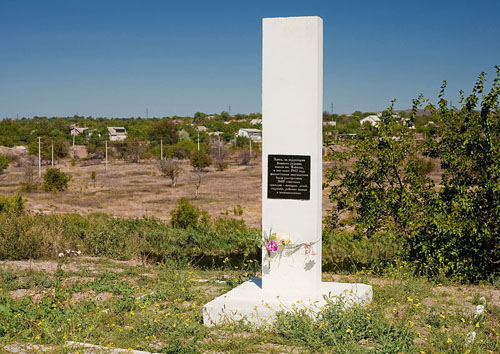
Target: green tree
pixel 55 180
pixel 200 160
pixel 185 214
pixel 381 179
pixel 164 129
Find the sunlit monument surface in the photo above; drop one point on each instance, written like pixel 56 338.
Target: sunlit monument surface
pixel 292 95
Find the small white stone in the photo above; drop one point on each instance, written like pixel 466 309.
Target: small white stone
pixel 471 336
pixel 479 310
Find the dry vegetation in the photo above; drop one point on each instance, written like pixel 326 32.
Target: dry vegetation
pixel 137 190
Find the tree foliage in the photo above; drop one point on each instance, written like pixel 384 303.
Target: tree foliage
pixel 170 169
pixel 4 163
pixel 185 214
pixel 55 180
pixel 200 160
pixel 164 129
pixel 451 228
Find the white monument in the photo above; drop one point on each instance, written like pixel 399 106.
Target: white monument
pixel 292 95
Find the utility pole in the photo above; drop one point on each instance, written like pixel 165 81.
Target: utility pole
pixel 39 159
pixel 229 111
pixel 106 155
pixel 250 152
pixel 219 148
pixel 52 153
pixel 161 149
pixel 147 113
pixel 198 140
pixel 331 108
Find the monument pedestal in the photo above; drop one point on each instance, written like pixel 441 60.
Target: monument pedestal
pixel 251 304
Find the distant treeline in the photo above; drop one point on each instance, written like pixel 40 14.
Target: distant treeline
pixel 174 131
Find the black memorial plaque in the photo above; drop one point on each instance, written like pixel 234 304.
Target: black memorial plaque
pixel 289 177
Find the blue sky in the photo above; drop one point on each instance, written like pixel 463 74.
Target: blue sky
pixel 117 58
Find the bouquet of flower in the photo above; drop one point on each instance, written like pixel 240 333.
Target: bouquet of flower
pixel 274 242
pixel 278 244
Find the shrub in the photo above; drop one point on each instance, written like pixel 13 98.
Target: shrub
pixel 451 229
pixel 244 157
pixel 170 169
pixel 12 205
pixel 183 149
pixel 55 180
pixel 351 251
pixel 221 165
pixel 4 163
pixel 200 160
pixel 28 184
pixel 238 210
pixel 185 215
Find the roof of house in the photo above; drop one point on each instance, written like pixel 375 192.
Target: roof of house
pixel 117 130
pixel 251 130
pixel 373 118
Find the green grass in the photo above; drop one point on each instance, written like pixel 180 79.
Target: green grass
pixel 159 308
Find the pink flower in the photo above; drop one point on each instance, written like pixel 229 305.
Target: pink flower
pixel 272 246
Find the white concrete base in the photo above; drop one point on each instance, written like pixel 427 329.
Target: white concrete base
pixel 250 304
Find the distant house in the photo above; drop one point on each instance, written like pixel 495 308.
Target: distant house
pixel 215 133
pixel 343 137
pixel 201 128
pixel 256 121
pixel 253 134
pixel 330 123
pixel 117 133
pixel 408 122
pixel 372 119
pixel 75 130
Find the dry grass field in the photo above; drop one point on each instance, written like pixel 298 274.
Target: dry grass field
pixel 139 190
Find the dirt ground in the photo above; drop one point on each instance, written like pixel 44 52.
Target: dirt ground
pixel 138 190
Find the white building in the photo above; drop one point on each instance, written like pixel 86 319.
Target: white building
pixel 250 133
pixel 330 123
pixel 117 133
pixel 75 130
pixel 256 121
pixel 372 119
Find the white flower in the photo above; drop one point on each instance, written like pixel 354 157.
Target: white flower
pixel 479 310
pixel 470 337
pixel 61 254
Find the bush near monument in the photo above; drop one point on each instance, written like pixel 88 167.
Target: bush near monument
pixel 451 229
pixel 191 238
